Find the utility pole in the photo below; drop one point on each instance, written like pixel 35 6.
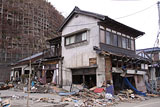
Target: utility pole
pixel 158 4
pixel 153 70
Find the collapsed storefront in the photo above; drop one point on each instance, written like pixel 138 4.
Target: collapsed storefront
pixel 49 71
pixel 45 66
pixel 49 68
pixel 119 68
pixel 21 70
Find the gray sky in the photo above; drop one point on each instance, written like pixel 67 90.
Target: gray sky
pixel 145 19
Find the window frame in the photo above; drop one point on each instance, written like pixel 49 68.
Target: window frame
pixel 75 36
pixel 129 41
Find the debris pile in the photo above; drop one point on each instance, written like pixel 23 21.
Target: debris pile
pixel 5 103
pixel 86 97
pixel 39 89
pixel 5 86
pixel 97 97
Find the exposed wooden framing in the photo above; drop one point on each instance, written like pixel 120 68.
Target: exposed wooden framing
pixel 108 68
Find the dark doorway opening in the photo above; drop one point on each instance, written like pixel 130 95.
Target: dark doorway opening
pixel 49 76
pixel 118 82
pixel 88 80
pixel 26 72
pixel 87 77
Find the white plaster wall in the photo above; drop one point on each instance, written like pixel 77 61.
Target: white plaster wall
pixel 78 55
pixel 100 71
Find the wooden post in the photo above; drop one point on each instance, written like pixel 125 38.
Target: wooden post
pixel 108 69
pixel 29 83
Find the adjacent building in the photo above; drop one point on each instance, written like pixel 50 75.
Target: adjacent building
pixel 153 54
pixel 45 66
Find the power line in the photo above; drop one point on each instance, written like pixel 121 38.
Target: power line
pixel 136 12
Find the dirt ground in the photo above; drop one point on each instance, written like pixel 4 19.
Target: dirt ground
pixel 19 99
pixel 152 102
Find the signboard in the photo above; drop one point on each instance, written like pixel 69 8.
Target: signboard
pixel 92 61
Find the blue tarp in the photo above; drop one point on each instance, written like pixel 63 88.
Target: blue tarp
pixel 126 81
pixel 66 93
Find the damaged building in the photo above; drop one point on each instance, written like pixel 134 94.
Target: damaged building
pixel 51 63
pixel 46 65
pixel 153 54
pixel 21 69
pixel 98 50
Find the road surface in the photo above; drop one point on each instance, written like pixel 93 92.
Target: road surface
pixel 153 102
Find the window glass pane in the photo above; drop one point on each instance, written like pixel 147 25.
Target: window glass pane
pixel 102 36
pixel 123 42
pixel 129 43
pixel 72 39
pixel 108 38
pixel 115 41
pixel 132 44
pixel 78 38
pixel 119 41
pixel 84 36
pixel 67 41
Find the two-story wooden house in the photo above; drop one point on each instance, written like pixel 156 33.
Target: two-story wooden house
pixel 98 49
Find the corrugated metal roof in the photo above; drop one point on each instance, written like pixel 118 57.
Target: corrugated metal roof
pixel 31 57
pixel 149 49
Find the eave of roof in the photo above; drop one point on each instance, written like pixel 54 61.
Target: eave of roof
pixel 119 26
pixel 76 10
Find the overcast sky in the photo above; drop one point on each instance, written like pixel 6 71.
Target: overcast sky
pixel 145 19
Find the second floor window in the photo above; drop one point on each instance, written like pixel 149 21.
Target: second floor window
pixel 114 39
pixel 76 38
